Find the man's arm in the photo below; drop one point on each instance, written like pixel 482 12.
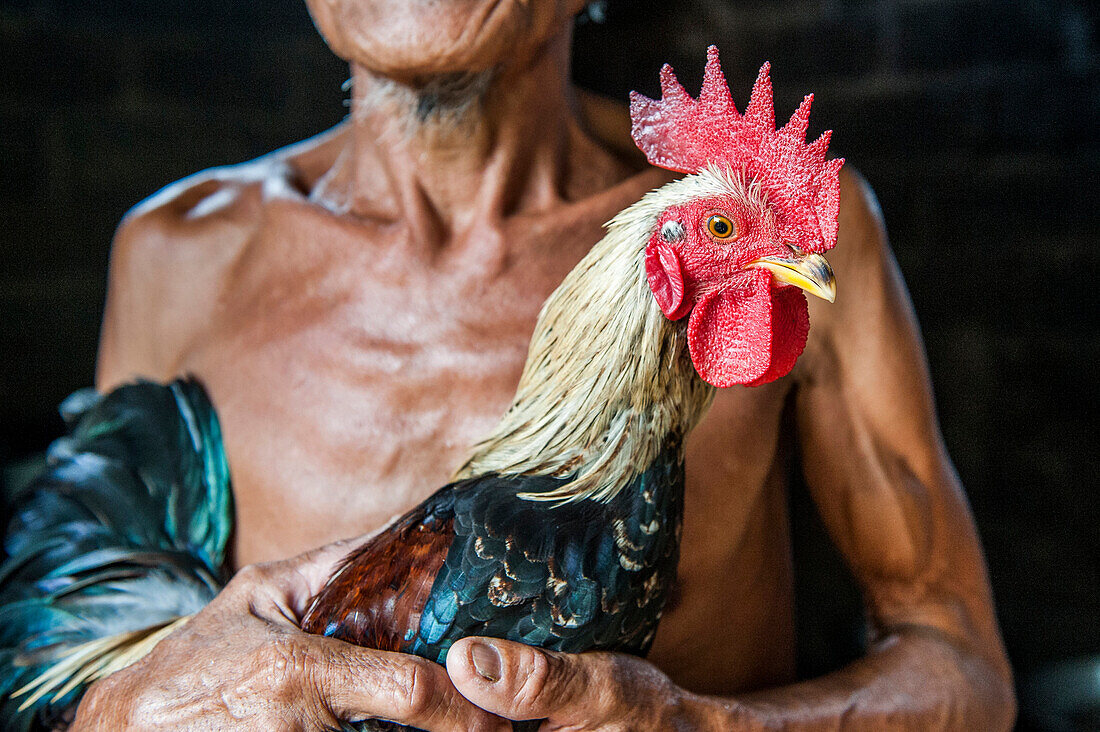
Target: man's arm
pixel 891 500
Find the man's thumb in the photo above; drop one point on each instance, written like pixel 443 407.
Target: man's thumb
pixel 518 681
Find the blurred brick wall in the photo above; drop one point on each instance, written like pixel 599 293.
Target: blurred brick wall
pixel 976 123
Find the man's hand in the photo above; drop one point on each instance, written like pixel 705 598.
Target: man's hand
pixel 243 663
pixel 587 691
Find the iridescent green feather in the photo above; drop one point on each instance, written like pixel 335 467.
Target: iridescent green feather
pixel 125 528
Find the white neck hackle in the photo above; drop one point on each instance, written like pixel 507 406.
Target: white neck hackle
pixel 608 378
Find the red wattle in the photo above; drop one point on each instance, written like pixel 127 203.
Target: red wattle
pixel 748 336
pixel 790 326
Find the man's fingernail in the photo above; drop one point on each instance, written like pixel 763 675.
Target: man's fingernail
pixel 486 661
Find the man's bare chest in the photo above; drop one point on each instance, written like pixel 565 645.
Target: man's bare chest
pixel 344 400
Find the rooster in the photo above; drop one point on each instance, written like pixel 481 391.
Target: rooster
pixel 562 527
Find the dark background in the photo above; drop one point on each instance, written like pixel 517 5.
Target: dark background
pixel 976 123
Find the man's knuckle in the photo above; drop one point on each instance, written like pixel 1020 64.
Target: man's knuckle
pixel 289 664
pixel 136 706
pixel 143 706
pixel 339 544
pixel 248 576
pixel 542 672
pixel 100 689
pixel 416 687
pixel 92 703
pixel 112 698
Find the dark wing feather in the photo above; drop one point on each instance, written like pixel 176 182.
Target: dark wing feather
pixel 569 577
pixel 125 528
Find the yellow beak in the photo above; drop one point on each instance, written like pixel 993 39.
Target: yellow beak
pixel 811 272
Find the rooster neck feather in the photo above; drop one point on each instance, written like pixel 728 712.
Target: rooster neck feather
pixel 608 379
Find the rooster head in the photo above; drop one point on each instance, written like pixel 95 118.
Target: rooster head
pixel 743 236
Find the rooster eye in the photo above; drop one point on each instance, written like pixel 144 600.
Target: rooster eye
pixel 721 227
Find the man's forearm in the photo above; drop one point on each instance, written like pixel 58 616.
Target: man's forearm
pixel 914 678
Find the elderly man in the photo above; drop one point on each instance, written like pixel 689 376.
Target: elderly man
pixel 359 305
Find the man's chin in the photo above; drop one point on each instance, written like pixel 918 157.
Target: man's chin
pixel 415 40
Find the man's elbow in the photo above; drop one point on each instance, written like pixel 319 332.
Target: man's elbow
pixel 994 694
pixel 971 681
pixel 987 674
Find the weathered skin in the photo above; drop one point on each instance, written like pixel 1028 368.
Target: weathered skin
pixel 359 307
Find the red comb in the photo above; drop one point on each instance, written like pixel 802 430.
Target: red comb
pixel 684 134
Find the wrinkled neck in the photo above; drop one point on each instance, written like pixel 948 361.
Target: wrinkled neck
pixel 443 153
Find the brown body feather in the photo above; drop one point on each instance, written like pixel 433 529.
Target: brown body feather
pixel 381 587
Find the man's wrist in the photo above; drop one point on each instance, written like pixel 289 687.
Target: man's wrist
pixel 692 711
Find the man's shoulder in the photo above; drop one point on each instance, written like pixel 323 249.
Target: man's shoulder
pixel 220 206
pixel 862 244
pixel 865 274
pixel 213 196
pixel 167 259
pixel 172 246
pixel 860 214
pixel 173 252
